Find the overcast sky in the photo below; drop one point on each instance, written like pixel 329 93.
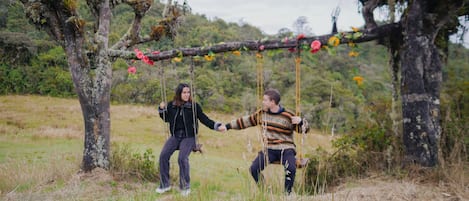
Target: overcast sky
pixel 272 15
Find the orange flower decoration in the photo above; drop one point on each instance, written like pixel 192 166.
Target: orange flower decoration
pixel 353 54
pixel 208 57
pixel 359 80
pixel 177 59
pixel 333 41
pixel 237 53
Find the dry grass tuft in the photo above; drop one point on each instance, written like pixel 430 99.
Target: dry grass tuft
pixel 385 188
pixel 51 132
pixel 29 176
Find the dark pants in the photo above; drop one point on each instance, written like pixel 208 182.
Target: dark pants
pixel 287 157
pixel 185 146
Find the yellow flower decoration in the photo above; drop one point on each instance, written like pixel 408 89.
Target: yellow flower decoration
pixel 177 59
pixel 353 54
pixel 358 79
pixel 333 41
pixel 237 53
pixel 258 55
pixel 352 44
pixel 208 57
pixel 355 29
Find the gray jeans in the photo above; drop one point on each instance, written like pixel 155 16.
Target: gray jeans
pixel 185 146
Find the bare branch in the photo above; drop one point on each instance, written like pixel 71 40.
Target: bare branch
pixel 367 12
pixel 166 27
pixel 131 37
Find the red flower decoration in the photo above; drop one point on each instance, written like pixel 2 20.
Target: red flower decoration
pixel 155 52
pixel 299 37
pixel 131 70
pixel 315 46
pixel 148 60
pixel 139 53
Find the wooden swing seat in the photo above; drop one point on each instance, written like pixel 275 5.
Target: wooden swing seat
pixel 198 148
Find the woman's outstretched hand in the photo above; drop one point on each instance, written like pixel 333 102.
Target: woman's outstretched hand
pixel 222 128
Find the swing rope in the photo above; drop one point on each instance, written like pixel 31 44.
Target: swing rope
pixel 164 97
pixel 260 95
pixel 301 161
pixel 260 79
pixel 198 147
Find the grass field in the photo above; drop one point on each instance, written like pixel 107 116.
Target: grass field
pixel 41 144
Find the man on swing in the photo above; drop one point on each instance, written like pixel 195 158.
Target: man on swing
pixel 278 130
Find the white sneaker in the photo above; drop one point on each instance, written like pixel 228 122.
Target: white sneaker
pixel 163 190
pixel 186 192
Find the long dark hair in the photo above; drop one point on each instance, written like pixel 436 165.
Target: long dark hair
pixel 177 100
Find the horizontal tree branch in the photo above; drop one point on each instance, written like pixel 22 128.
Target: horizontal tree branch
pixel 373 34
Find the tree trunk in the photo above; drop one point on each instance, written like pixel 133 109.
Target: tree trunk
pixel 420 88
pixel 97 110
pixel 93 90
pixel 97 134
pixel 394 150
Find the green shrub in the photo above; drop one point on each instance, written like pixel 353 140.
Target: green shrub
pixel 355 155
pixel 127 164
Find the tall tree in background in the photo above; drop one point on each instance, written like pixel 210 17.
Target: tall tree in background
pixel 301 26
pixel 418 47
pixel 88 58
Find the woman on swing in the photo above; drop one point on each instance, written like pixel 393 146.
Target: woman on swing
pixel 180 114
pixel 279 126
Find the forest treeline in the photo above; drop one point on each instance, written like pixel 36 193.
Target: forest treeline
pixel 333 94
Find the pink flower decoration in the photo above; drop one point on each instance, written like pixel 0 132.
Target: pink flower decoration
pixel 138 53
pixel 315 46
pixel 148 61
pixel 285 40
pixel 299 37
pixel 155 52
pixel 131 70
pixel 261 47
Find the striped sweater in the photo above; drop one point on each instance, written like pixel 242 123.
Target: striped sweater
pixel 279 129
